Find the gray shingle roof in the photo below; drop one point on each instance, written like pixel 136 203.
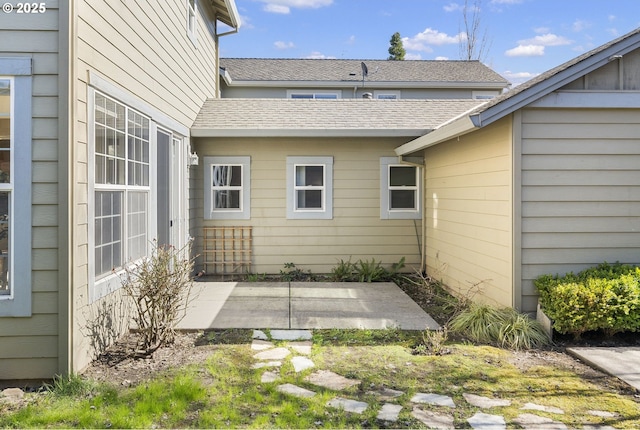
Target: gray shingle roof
pixel 278 69
pixel 342 117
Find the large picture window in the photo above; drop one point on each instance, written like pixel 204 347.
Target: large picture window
pixel 121 184
pixel 227 182
pixel 309 187
pixel 6 187
pixel 399 190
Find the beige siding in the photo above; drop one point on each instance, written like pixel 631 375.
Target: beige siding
pixel 143 49
pixel 29 346
pixel 580 191
pixel 469 213
pixel 356 229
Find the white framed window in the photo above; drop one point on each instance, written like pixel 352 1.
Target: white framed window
pixel 192 8
pixel 227 185
pixel 310 187
pixel 15 180
pixel 386 94
pixel 121 211
pixel 484 95
pixel 314 94
pixel 400 190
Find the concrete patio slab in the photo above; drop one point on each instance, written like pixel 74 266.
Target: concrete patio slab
pixel 303 305
pixel 621 362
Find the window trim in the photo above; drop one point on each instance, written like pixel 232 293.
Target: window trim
pixel 377 94
pixel 314 94
pixel 104 284
pixel 19 71
pixel 245 201
pixel 192 20
pixel 385 210
pixel 327 211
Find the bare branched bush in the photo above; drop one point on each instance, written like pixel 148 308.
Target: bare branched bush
pixel 160 289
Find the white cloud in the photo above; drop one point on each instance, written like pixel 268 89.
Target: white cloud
pixel 506 1
pixel 351 40
pixel 441 58
pixel 283 45
pixel 541 30
pixel 517 78
pixel 315 55
pixel 285 6
pixel 410 56
pixel 580 25
pixel 421 41
pixel 453 7
pixel 548 39
pixel 525 51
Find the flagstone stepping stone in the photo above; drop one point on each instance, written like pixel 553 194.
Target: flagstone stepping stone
pixel 259 334
pixel 484 402
pixel 301 347
pixel 389 412
pixel 267 364
pixel 542 408
pixel 269 376
pixel 433 420
pixel 11 395
pixel 333 381
pixel 602 414
pixel 261 345
pixel 487 421
pixel 386 394
pixel 536 422
pixel 433 399
pixel 291 334
pixel 294 390
pixel 272 354
pixel 301 363
pixel 348 405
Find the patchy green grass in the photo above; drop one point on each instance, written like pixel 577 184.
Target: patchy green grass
pixel 225 392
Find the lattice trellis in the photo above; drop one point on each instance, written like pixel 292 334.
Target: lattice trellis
pixel 227 250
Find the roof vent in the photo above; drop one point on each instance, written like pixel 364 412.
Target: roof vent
pixel 367 96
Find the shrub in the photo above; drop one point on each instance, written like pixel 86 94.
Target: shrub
pixel 160 287
pixel 605 297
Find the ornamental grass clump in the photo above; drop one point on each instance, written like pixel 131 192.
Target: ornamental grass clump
pixel 160 289
pixel 503 327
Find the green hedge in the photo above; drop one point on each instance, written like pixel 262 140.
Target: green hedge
pixel 606 297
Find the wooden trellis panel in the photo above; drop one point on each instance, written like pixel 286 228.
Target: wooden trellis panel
pixel 227 250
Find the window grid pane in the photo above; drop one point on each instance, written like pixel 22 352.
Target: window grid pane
pixel 122 158
pixel 226 187
pixel 6 181
pixel 5 244
pixel 309 187
pixel 403 188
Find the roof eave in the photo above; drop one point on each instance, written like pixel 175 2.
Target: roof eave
pixel 367 84
pixel 227 13
pixel 312 132
pixel 454 129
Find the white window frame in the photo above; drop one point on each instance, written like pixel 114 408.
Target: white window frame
pixel 192 19
pixel 326 211
pixel 484 94
pixel 386 94
pixel 244 211
pixel 18 70
pixel 314 94
pixel 105 283
pixel 386 212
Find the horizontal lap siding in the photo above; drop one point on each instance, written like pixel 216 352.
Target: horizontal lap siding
pixel 469 216
pixel 143 48
pixel 580 191
pixel 356 230
pixel 29 346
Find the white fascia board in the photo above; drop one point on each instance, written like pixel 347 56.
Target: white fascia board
pixel 323 132
pixel 367 84
pixel 233 14
pixel 456 128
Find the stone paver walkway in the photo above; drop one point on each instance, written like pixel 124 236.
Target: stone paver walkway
pixel 298 343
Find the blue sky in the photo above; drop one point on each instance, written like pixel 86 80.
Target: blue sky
pixel 525 37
